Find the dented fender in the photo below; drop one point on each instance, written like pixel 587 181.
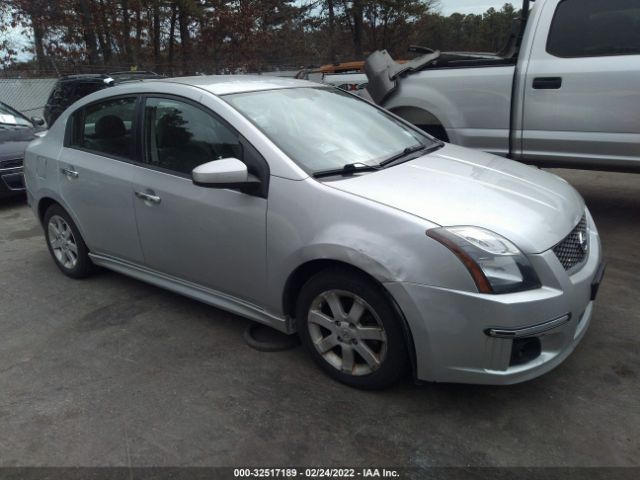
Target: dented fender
pixel 386 243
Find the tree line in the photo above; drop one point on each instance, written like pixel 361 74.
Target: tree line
pixel 214 36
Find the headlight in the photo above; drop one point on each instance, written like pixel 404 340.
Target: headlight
pixel 496 264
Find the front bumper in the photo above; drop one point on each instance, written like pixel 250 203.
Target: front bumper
pixel 469 337
pixel 11 181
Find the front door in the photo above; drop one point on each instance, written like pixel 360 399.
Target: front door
pixel 212 237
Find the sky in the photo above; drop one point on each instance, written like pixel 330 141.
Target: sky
pixel 448 7
pixel 16 39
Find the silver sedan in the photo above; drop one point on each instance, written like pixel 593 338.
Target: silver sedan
pixel 308 209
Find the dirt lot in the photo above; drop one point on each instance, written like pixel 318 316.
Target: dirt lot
pixel 111 371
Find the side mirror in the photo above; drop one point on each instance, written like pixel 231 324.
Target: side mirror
pixel 224 173
pixel 37 121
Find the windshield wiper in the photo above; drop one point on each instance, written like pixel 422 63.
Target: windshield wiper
pixel 348 169
pixel 357 167
pixel 408 151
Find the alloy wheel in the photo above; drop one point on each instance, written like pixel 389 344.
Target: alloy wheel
pixel 347 332
pixel 63 243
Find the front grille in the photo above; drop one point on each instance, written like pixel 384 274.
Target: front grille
pixel 14 163
pixel 574 248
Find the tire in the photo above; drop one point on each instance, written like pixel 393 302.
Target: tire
pixel 437 131
pixel 65 244
pixel 363 348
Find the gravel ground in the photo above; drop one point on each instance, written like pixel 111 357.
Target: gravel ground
pixel 110 371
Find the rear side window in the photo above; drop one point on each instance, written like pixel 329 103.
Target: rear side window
pixel 595 28
pixel 83 89
pixel 60 92
pixel 105 127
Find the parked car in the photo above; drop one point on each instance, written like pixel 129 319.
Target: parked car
pixel 16 131
pixel 564 92
pixel 308 209
pixel 71 88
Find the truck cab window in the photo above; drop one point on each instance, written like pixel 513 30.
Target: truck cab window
pixel 593 28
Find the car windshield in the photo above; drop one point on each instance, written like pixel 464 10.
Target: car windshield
pixel 10 117
pixel 324 128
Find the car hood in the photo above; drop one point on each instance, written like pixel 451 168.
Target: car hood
pixel 458 186
pixel 14 141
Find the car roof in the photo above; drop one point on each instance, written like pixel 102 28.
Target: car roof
pixel 227 84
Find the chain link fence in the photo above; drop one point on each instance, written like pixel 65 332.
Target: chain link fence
pixel 27 95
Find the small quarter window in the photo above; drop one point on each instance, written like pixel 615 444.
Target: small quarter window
pixel 106 127
pixel 595 28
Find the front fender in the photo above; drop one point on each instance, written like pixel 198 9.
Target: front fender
pixel 387 244
pixel 383 270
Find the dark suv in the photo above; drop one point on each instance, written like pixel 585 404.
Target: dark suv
pixel 71 88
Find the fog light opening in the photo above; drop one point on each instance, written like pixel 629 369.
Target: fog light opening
pixel 523 350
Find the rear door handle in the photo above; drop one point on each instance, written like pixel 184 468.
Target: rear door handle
pixel 547 83
pixel 148 197
pixel 69 172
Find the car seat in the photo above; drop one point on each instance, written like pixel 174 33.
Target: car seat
pixel 111 136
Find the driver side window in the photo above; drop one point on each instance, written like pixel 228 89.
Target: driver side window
pixel 180 136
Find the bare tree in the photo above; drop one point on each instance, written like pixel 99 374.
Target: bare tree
pixel 88 31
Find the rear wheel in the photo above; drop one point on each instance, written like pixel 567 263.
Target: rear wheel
pixel 351 329
pixel 65 244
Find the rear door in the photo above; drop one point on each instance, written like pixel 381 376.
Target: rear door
pixel 95 173
pixel 582 85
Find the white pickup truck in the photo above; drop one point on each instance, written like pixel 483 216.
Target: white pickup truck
pixel 565 90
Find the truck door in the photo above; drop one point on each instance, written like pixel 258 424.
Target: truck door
pixel 582 85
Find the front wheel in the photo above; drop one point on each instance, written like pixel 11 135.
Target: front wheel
pixel 351 329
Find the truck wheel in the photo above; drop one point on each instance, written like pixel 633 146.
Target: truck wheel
pixel 437 131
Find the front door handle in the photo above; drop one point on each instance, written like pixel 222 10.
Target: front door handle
pixel 69 172
pixel 547 83
pixel 148 197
